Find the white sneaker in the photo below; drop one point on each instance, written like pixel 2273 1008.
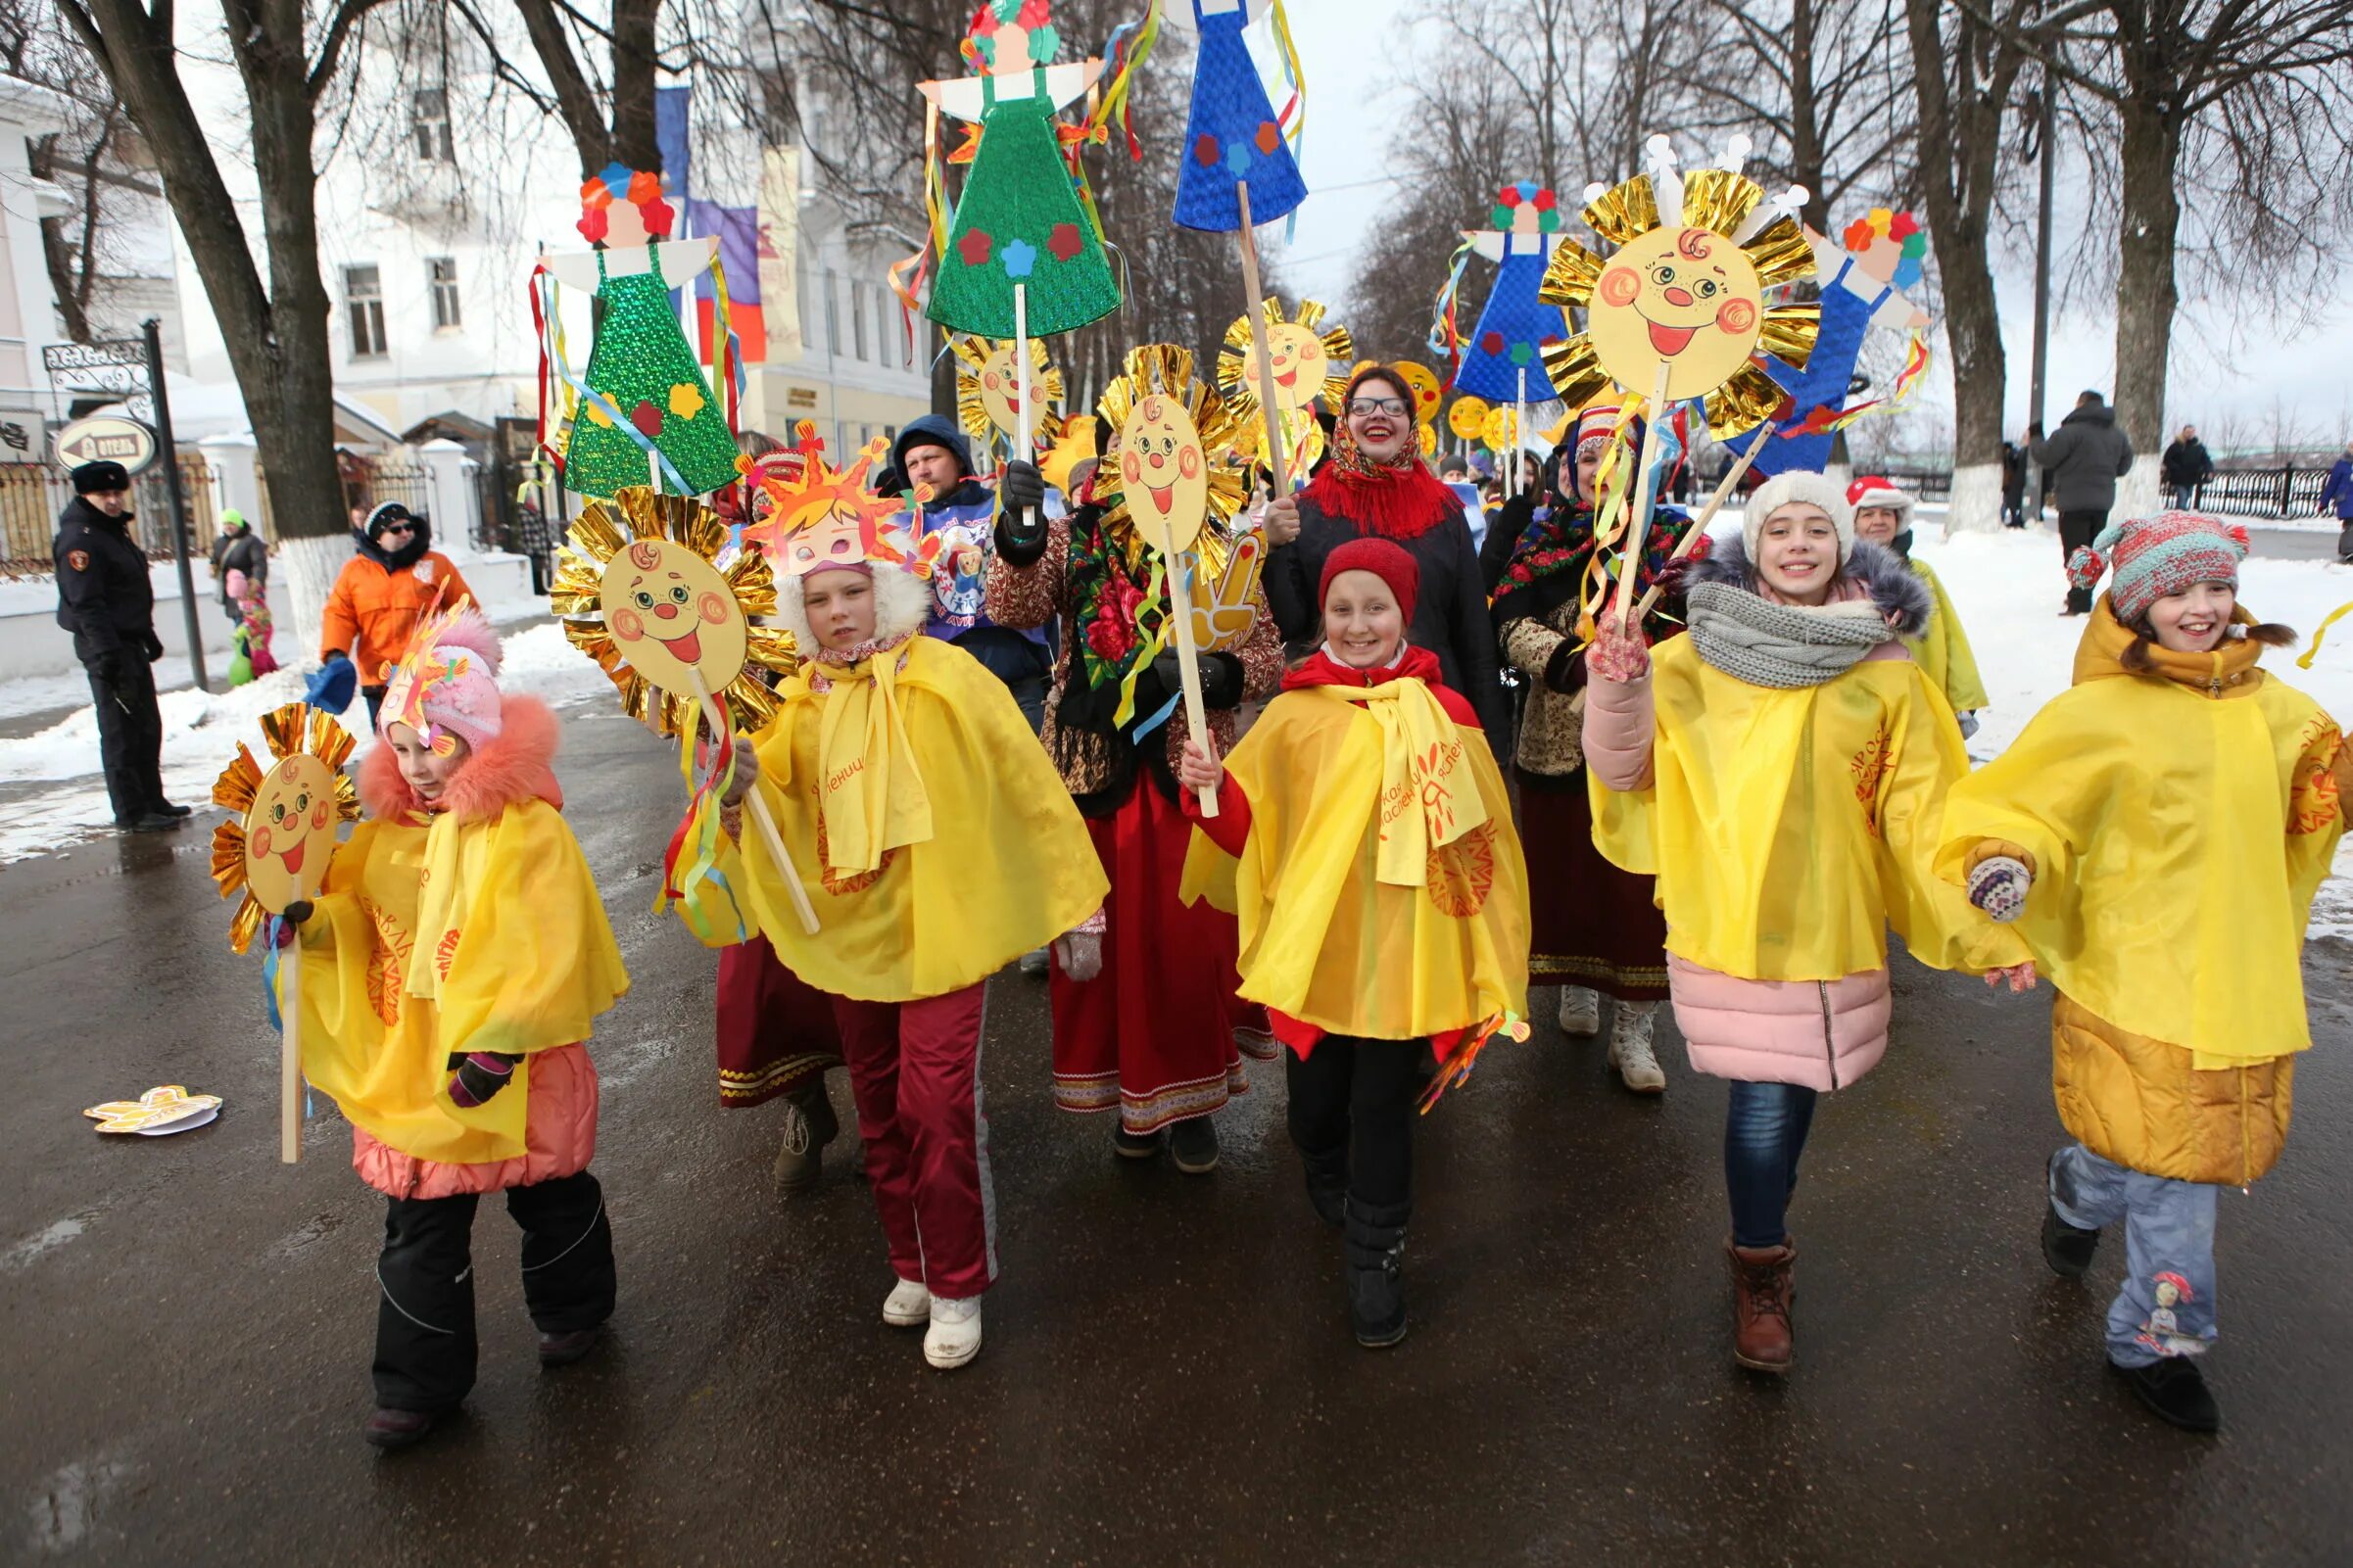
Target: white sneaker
pixel 1630 1048
pixel 908 1305
pixel 1580 1011
pixel 954 1337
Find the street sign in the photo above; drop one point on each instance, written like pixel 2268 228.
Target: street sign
pixel 106 437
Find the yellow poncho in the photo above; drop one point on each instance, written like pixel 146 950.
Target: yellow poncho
pixel 1790 829
pixel 512 953
pixel 1942 651
pixel 1327 937
pixel 962 850
pixel 2177 833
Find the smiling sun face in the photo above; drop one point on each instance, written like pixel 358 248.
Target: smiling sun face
pixel 1683 296
pixel 1161 471
pixel 290 830
pixel 670 611
pixel 1299 363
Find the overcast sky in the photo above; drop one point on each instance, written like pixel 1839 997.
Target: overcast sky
pixel 1354 51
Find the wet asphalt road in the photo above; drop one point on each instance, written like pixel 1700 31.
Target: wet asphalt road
pixel 185 1325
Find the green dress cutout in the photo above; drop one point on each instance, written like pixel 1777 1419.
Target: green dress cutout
pixel 1019 221
pixel 642 363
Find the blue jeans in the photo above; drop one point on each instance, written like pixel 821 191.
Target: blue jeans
pixel 2166 1307
pixel 1764 1132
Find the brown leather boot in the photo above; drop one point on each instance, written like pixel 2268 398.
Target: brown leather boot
pixel 1763 1284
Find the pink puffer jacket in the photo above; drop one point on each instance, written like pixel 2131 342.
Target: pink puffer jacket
pixel 1822 1034
pixel 559 1122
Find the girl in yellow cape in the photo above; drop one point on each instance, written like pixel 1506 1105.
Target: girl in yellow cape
pixel 451 966
pixel 1883 517
pixel 2156 836
pixel 1781 769
pixel 903 772
pixel 1383 898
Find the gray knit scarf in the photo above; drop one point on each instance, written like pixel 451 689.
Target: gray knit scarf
pixel 1786 647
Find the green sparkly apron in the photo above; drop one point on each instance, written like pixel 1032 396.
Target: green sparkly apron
pixel 1019 221
pixel 643 364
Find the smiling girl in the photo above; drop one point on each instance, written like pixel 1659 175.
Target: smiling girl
pixel 451 967
pixel 1383 898
pixel 1375 486
pixel 2155 837
pixel 1781 770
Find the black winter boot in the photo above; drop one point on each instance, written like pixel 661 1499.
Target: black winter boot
pixel 2177 1391
pixel 1327 1184
pixel 2067 1248
pixel 1376 1295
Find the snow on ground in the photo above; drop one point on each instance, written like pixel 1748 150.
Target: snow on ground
pixel 201 732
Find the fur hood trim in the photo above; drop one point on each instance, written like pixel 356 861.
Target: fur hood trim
pixel 512 767
pixel 902 607
pixel 1893 586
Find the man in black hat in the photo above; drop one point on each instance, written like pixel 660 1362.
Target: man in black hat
pixel 105 599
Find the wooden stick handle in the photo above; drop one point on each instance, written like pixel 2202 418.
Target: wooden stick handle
pixel 1715 503
pixel 1637 526
pixel 1188 663
pixel 1021 383
pixel 758 804
pixel 1278 463
pixel 290 1058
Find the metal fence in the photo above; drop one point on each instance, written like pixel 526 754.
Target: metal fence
pixel 2286 492
pixel 32 494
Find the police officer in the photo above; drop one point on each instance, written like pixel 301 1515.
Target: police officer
pixel 105 599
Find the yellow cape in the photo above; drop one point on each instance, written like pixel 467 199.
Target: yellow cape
pixel 1324 939
pixel 512 954
pixel 1942 651
pixel 1788 829
pixel 1005 867
pixel 2178 837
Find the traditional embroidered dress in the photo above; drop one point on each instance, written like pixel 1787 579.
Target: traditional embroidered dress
pixel 1153 1035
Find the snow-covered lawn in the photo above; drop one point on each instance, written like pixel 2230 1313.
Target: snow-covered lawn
pixel 201 731
pixel 2006 586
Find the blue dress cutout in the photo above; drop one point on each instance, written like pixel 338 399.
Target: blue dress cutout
pixel 1231 134
pixel 1514 326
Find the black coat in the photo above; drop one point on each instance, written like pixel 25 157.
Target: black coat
pixel 2086 459
pixel 2187 462
pixel 1450 608
pixel 103 595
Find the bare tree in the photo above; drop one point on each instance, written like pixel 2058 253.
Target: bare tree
pixel 601 75
pixel 1963 70
pixel 276 332
pixel 2228 119
pixel 84 159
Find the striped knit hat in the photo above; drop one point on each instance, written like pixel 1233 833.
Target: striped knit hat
pixel 2151 557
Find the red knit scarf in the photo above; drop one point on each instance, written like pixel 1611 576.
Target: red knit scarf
pixel 1398 501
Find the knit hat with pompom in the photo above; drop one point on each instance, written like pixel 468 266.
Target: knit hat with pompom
pixel 2148 558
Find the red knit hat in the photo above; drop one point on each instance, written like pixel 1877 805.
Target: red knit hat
pixel 1393 564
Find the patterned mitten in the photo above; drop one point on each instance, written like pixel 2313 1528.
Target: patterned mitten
pixel 480 1075
pixel 1999 886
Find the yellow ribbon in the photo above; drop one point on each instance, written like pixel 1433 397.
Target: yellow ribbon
pixel 2304 659
pixel 1428 797
pixel 868 791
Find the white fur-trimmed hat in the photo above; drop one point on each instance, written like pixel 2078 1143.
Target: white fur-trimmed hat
pixel 1814 489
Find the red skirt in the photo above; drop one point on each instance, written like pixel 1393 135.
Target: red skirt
pixel 1154 1033
pixel 1590 924
pixel 776 1033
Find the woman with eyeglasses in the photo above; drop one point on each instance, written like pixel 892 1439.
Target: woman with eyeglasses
pixel 395 575
pixel 1374 485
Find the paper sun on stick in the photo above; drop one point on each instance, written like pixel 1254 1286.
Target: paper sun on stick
pixel 1305 363
pixel 639 592
pixel 275 851
pixel 989 396
pixel 1467 418
pixel 1428 392
pixel 1687 296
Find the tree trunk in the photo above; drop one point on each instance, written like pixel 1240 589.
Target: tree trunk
pixel 1960 144
pixel 276 340
pixel 2145 296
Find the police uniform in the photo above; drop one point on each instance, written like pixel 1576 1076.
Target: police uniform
pixel 105 598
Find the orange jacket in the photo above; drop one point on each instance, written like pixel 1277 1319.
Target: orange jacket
pixel 372 609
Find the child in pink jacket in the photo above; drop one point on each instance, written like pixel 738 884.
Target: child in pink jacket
pixel 1781 770
pixel 451 966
